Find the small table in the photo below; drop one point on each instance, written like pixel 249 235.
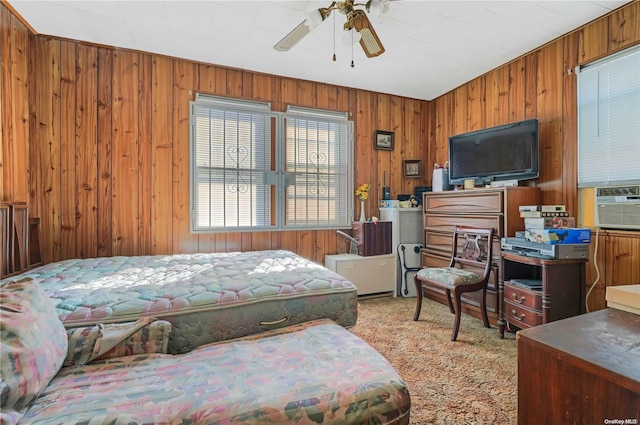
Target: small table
pixel 580 370
pixel 561 293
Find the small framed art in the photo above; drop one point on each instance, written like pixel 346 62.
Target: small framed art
pixel 384 140
pixel 412 168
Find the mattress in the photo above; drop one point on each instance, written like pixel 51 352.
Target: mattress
pixel 313 373
pixel 206 297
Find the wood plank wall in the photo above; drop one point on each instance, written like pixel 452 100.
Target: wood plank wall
pixel 95 139
pixel 541 84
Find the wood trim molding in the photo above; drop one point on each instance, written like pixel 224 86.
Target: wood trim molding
pixel 19 17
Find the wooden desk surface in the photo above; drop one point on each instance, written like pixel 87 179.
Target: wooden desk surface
pixel 609 339
pixel 581 370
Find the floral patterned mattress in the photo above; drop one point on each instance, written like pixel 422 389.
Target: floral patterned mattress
pixel 312 373
pixel 206 297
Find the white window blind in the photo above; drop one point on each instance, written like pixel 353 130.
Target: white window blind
pixel 317 164
pixel 248 174
pixel 609 120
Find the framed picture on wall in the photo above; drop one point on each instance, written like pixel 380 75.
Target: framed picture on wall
pixel 384 140
pixel 412 168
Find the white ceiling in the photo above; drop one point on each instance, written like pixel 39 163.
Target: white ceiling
pixel 431 47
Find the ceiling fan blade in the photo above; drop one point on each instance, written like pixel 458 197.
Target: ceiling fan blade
pixel 369 41
pixel 291 39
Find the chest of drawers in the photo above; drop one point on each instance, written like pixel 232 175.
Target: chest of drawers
pixel 496 208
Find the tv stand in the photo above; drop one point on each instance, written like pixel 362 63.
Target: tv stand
pixel 504 183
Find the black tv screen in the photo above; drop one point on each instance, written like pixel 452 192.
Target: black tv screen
pixel 506 152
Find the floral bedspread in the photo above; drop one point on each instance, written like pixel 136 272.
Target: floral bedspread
pixel 116 289
pixel 312 373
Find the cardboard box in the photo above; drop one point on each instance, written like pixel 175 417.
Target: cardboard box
pixel 559 236
pixel 624 297
pixel 373 238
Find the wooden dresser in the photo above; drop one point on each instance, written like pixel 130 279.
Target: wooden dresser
pixel 495 208
pixel 580 370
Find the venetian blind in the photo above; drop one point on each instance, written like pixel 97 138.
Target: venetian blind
pixel 609 120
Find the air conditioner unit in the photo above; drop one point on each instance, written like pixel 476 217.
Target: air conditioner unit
pixel 618 207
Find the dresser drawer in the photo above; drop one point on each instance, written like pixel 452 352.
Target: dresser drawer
pixel 429 258
pixel 517 314
pixel 438 241
pixel 525 297
pixel 446 223
pixel 461 202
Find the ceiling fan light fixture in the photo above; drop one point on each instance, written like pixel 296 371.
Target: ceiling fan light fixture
pixel 377 7
pixel 356 20
pixel 315 18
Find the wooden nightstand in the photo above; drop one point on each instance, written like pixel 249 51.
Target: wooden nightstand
pixel 560 293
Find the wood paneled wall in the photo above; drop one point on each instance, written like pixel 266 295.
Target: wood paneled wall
pixel 541 84
pixel 96 141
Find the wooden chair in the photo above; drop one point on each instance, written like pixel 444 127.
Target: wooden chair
pixel 468 271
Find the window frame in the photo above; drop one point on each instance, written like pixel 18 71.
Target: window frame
pixel 278 178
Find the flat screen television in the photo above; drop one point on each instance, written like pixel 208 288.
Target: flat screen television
pixel 505 152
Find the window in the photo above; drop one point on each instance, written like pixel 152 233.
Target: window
pixel 609 120
pixel 254 169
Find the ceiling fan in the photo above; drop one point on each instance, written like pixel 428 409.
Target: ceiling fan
pixel 356 19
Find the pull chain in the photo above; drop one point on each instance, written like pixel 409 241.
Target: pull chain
pixel 352 31
pixel 334 37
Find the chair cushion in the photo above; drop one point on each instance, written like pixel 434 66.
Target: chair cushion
pixel 34 346
pixel 451 276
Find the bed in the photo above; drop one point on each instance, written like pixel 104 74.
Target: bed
pixel 316 372
pixel 206 297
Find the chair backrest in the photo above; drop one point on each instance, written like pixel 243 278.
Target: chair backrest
pixel 472 248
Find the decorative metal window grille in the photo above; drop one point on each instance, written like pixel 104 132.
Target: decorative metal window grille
pixel 246 176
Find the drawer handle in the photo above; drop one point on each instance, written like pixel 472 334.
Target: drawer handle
pixel 275 322
pixel 520 318
pixel 519 301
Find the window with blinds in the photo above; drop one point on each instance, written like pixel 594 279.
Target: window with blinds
pixel 318 173
pixel 254 169
pixel 609 120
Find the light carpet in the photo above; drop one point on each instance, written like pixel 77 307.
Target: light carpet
pixel 470 381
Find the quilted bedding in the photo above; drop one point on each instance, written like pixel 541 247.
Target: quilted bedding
pixel 206 297
pixel 311 373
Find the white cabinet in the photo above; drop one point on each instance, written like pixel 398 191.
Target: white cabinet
pixel 406 237
pixel 371 275
pixel 406 225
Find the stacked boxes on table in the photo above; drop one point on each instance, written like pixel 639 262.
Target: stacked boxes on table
pixel 551 224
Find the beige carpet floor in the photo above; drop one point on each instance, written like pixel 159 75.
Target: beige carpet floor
pixel 470 381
